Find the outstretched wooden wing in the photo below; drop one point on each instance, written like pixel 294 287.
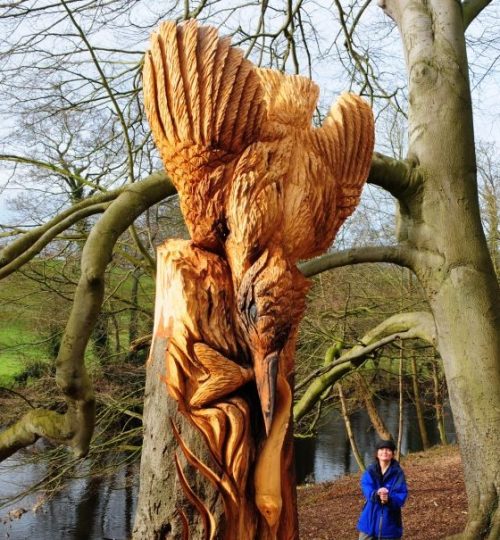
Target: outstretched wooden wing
pixel 202 97
pixel 349 131
pixel 323 169
pixel 334 164
pixel 204 104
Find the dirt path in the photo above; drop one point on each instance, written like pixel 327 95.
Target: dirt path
pixel 436 507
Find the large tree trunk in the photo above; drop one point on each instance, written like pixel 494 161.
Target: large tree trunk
pixel 440 216
pixel 469 344
pixel 159 509
pixel 207 469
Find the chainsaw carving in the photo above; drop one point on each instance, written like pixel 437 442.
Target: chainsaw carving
pixel 260 188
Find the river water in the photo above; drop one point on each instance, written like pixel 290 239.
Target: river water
pixel 329 455
pixel 102 507
pixel 91 508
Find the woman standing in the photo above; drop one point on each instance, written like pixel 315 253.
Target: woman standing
pixel 384 487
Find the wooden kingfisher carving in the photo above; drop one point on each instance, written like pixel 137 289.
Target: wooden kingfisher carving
pixel 260 188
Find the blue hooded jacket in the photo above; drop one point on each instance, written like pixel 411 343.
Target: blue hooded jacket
pixel 377 519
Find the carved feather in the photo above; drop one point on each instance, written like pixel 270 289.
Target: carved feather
pixel 348 131
pixel 204 104
pixel 198 91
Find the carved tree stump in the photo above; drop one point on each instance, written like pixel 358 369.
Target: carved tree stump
pixel 260 189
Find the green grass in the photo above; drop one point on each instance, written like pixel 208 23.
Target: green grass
pixel 29 315
pixel 9 368
pixel 17 347
pixel 22 307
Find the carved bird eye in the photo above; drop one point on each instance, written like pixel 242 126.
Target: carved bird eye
pixel 252 312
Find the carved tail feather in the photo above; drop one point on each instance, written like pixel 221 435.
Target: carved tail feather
pixel 348 134
pixel 290 99
pixel 203 99
pixel 207 517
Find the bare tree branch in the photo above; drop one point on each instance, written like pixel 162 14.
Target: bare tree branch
pixel 23 249
pixel 35 424
pixel 401 326
pixel 109 91
pixel 471 9
pixel 43 239
pixel 400 254
pixel 394 175
pixel 24 242
pixel 50 167
pixel 75 426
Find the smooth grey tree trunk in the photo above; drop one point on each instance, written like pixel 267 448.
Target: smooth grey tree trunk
pixel 449 254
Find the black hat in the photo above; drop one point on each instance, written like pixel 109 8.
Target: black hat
pixel 386 444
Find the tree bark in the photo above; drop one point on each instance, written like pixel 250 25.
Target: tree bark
pixel 350 434
pixel 375 418
pixel 438 403
pixel 443 226
pixel 418 405
pixel 401 403
pixel 160 511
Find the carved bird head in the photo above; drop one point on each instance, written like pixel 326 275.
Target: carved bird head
pixel 270 303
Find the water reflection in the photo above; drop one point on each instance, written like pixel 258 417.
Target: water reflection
pixel 91 508
pixel 329 455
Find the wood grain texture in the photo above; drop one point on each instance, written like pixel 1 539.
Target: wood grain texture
pixel 260 188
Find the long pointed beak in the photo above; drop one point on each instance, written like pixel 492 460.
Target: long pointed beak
pixel 266 371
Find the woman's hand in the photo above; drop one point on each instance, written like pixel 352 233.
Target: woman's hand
pixel 383 494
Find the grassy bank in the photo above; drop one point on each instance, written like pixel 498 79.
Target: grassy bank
pixel 33 315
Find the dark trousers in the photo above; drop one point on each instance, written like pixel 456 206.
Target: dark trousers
pixel 363 536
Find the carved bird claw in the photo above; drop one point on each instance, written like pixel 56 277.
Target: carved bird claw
pixel 223 376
